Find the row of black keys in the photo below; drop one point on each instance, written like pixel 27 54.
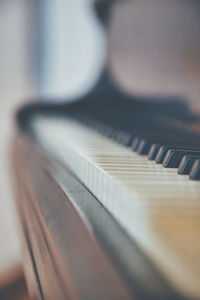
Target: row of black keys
pixel 171 151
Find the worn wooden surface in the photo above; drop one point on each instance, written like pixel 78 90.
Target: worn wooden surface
pixel 65 258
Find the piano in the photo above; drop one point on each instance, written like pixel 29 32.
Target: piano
pixel 108 187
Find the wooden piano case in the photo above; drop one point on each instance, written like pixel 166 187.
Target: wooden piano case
pixel 73 248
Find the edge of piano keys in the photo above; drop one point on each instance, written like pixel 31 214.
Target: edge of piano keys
pixel 175 268
pixel 129 273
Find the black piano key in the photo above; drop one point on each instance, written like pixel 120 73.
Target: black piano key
pixel 127 140
pixel 153 151
pixel 195 171
pixel 144 147
pixel 187 163
pixel 164 149
pixel 174 157
pixel 119 136
pixel 135 143
pixel 161 154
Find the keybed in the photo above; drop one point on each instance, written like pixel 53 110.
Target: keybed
pixel 157 207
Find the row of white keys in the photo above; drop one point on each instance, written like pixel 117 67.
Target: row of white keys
pixel 156 206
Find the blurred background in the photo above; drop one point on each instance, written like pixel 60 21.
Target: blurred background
pixel 35 37
pixel 15 85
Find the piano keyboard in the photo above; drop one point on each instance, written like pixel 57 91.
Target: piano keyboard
pixel 156 206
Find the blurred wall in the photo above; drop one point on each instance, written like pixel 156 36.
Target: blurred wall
pixel 155 47
pixel 14 87
pixel 71 48
pixel 48 48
